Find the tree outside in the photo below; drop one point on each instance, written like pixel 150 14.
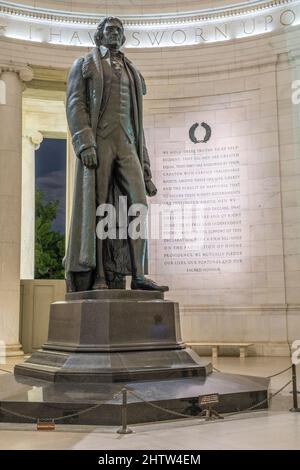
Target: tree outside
pixel 49 244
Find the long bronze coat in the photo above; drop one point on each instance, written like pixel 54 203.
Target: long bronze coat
pixel 87 94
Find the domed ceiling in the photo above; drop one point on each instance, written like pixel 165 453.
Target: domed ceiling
pixel 133 7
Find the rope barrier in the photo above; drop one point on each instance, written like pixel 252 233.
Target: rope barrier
pixel 279 373
pixel 58 418
pixel 86 410
pixel 272 395
pixel 267 377
pixel 19 415
pixel 175 413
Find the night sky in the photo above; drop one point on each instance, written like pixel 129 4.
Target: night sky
pixel 50 176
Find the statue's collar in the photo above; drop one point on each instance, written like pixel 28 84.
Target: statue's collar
pixel 104 51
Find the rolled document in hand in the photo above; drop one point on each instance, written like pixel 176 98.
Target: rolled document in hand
pixel 150 188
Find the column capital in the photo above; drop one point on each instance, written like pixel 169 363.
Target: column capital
pixel 35 138
pixel 25 73
pixel 294 55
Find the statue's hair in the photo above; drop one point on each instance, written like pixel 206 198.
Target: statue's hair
pixel 100 28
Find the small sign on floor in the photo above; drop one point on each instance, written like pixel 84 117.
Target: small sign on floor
pixel 45 425
pixel 208 400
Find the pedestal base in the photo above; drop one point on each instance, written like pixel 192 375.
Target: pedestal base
pixel 112 336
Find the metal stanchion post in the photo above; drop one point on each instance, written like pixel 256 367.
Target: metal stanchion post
pixel 295 392
pixel 124 429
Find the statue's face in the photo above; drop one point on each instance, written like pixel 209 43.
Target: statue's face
pixel 112 35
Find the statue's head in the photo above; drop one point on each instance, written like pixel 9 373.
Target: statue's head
pixel 110 33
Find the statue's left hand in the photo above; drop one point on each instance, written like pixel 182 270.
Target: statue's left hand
pixel 151 189
pixel 89 158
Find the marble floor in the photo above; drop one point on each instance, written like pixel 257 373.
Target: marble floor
pixel 276 428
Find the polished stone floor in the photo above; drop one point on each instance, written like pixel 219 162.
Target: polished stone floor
pixel 276 428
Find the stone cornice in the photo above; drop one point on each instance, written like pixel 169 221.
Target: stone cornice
pixel 20 11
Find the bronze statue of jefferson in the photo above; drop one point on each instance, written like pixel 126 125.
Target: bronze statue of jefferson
pixel 105 117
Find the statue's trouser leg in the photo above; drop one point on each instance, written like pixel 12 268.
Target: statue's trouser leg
pixel 137 255
pixel 131 181
pixel 106 151
pixel 117 151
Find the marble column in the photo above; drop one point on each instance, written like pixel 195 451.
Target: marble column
pixel 30 143
pixel 13 77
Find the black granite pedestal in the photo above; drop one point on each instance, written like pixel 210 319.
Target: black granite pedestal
pixel 101 342
pixel 112 336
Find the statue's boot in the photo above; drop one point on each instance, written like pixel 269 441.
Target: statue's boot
pixel 143 283
pixel 139 281
pixel 70 282
pixel 99 283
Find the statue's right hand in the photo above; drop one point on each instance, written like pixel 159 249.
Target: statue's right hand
pixel 89 158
